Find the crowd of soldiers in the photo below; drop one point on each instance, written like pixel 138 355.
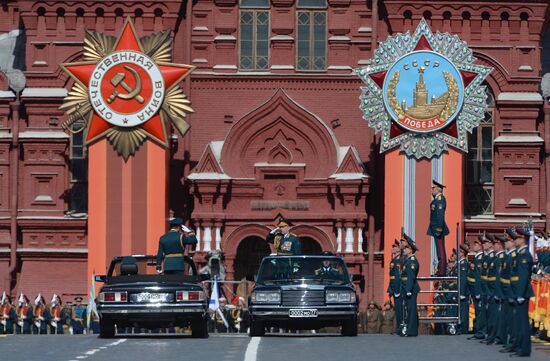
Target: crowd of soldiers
pixel 496 281
pixel 40 318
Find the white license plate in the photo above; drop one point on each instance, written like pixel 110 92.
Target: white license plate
pixel 302 313
pixel 151 297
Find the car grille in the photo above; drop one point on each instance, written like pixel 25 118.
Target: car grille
pixel 303 298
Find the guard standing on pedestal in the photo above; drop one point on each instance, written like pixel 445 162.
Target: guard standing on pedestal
pixel 394 287
pixel 438 228
pixel 410 288
pixel 172 248
pixel 284 242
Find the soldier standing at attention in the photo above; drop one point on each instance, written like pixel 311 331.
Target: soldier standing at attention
pixel 7 314
pixel 463 289
pixel 58 317
pixel 172 248
pixel 77 316
pixel 474 289
pixel 499 296
pixel 394 287
pixel 284 242
pixel 41 316
pixel 24 316
pixel 523 292
pixel 438 228
pixel 490 286
pixel 510 265
pixel 410 288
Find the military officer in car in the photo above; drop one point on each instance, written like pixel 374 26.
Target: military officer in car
pixel 284 242
pixel 172 247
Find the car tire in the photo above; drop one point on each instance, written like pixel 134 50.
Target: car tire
pixel 257 329
pixel 349 327
pixel 199 329
pixel 106 328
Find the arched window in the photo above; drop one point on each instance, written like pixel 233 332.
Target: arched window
pixel 479 188
pixel 312 35
pixel 254 35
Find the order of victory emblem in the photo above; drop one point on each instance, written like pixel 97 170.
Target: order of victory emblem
pixel 126 90
pixel 423 92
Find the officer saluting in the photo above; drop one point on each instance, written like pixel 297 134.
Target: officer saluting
pixel 285 243
pixel 172 248
pixel 409 287
pixel 438 228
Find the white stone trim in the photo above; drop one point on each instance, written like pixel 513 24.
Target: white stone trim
pixel 364 29
pixel 207 246
pixel 208 176
pixel 518 139
pixel 225 67
pixel 200 28
pixel 6 94
pixel 47 134
pixel 520 96
pixel 349 239
pixel 339 239
pixel 225 38
pixel 44 92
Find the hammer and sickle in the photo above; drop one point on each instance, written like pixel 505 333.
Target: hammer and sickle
pixel 118 79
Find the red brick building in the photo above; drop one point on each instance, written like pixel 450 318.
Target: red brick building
pixel 277 129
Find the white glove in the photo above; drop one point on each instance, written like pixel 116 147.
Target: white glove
pixel 409 294
pixel 159 271
pixel 531 232
pixel 521 299
pixel 185 229
pixel 274 230
pixel 397 295
pixel 4 322
pixel 462 297
pixel 478 297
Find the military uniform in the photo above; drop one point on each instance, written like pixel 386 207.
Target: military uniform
pixel 510 310
pixel 523 292
pixel 8 317
pixel 78 313
pixel 171 248
pixel 463 295
pixel 285 245
pixel 499 296
pixel 410 289
pixel 474 290
pixel 491 301
pixel 24 319
pixel 57 320
pixel 41 320
pixel 394 290
pixel 438 228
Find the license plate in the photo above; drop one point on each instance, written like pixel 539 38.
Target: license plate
pixel 303 313
pixel 151 297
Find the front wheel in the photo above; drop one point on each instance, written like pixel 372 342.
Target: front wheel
pixel 349 327
pixel 199 329
pixel 106 328
pixel 257 328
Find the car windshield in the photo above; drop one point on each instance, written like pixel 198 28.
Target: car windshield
pixel 316 269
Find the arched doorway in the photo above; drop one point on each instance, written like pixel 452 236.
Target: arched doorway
pixel 250 253
pixel 310 246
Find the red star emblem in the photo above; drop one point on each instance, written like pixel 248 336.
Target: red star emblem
pixel 119 94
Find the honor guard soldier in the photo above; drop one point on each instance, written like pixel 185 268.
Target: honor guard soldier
pixel 58 316
pixel 410 288
pixel 523 292
pixel 41 316
pixel 490 286
pixel 172 248
pixel 8 315
pixel 284 242
pixel 394 287
pixel 464 305
pixel 474 289
pixel 24 316
pixel 78 311
pixel 499 295
pixel 510 274
pixel 438 228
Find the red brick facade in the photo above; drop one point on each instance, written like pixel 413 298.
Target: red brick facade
pixel 263 143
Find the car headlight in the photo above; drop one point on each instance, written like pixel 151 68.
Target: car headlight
pixel 340 297
pixel 266 296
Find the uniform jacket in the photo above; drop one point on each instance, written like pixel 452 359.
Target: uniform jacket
pixel 172 243
pixel 513 269
pixel 394 287
pixel 24 319
pixel 285 245
pixel 438 227
pixel 500 260
pixel 58 319
pixel 473 278
pixel 524 267
pixel 480 275
pixel 409 284
pixel 490 274
pixel 10 316
pixel 463 286
pixel 41 319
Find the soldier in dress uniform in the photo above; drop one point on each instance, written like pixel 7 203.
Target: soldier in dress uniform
pixel 172 247
pixel 523 292
pixel 438 228
pixel 24 316
pixel 498 295
pixel 58 316
pixel 410 288
pixel 394 287
pixel 327 270
pixel 284 242
pixel 490 288
pixel 240 316
pixel 463 268
pixel 511 276
pixel 41 316
pixel 7 314
pixel 475 291
pixel 78 312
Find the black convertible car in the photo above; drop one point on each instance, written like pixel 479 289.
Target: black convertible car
pixel 135 296
pixel 303 292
